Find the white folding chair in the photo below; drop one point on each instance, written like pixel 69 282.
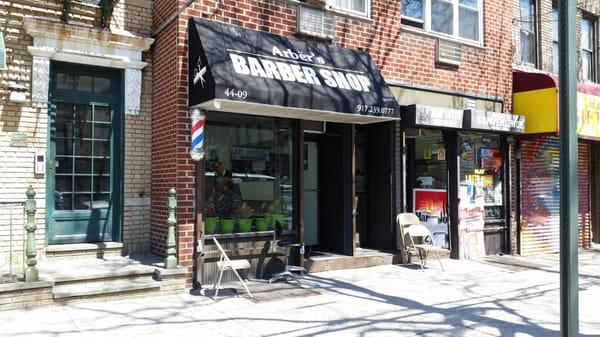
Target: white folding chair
pixel 411 229
pixel 225 263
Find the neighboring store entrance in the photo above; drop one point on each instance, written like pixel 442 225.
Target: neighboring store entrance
pixel 84 155
pixel 476 206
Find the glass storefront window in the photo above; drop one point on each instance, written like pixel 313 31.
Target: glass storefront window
pixel 481 174
pixel 427 181
pixel 248 173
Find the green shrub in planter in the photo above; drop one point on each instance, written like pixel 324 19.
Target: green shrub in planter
pixel 227 225
pixel 244 213
pixel 281 219
pixel 262 224
pixel 244 225
pixel 210 225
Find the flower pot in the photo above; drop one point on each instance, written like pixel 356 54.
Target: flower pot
pixel 279 218
pixel 262 224
pixel 245 225
pixel 227 226
pixel 210 225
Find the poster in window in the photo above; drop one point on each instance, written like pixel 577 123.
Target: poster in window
pixel 490 158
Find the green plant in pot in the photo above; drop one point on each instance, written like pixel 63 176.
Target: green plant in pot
pixel 260 220
pixel 227 225
pixel 276 209
pixel 210 220
pixel 245 213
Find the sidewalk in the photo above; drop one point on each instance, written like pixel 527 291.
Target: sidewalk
pixel 496 296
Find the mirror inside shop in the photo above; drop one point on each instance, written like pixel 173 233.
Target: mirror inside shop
pixel 248 174
pixel 480 178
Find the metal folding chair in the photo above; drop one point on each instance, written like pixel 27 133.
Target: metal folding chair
pixel 412 230
pixel 225 263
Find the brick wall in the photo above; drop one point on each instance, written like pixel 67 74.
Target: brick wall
pixel 401 56
pixel 29 124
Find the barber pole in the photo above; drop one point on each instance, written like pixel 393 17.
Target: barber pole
pixel 197 144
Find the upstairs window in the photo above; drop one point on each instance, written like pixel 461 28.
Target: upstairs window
pixel 528 24
pixel 358 7
pixel 555 52
pixel 588 49
pixel 458 19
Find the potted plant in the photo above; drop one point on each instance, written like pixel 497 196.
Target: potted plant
pixel 261 221
pixel 277 213
pixel 210 221
pixel 244 213
pixel 227 225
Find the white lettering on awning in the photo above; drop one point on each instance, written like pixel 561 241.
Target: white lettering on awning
pixel 292 72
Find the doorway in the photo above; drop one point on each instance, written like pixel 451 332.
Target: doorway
pixel 374 157
pixel 327 189
pixel 84 186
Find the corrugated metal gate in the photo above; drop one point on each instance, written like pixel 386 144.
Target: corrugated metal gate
pixel 584 217
pixel 540 195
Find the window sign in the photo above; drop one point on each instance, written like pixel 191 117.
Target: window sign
pixel 494 121
pixel 434 116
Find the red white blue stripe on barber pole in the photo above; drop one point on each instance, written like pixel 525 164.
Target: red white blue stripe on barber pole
pixel 197 134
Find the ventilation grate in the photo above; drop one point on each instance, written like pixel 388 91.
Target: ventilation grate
pixel 448 53
pixel 314 22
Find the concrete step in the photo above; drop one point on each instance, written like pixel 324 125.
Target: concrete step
pixel 363 258
pixel 84 250
pixel 79 291
pixel 89 270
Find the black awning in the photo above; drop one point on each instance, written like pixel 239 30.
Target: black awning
pixel 241 70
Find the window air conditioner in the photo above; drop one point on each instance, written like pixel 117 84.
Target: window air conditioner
pixel 314 22
pixel 448 53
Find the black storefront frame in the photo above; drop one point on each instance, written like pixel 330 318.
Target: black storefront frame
pixel 451 137
pixel 346 132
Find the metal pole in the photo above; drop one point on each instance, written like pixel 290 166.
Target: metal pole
pixel 31 272
pixel 171 244
pixel 569 205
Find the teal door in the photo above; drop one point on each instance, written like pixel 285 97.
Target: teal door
pixel 84 164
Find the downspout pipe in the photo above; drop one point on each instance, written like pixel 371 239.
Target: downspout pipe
pixel 173 17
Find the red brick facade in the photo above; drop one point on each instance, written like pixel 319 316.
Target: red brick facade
pixel 401 55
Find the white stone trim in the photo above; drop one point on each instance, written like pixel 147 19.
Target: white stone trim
pixel 133 91
pixel 40 74
pixel 84 45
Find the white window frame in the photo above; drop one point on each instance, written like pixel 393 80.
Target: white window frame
pixel 593 51
pixel 555 42
pixel 366 14
pixel 534 32
pixel 455 21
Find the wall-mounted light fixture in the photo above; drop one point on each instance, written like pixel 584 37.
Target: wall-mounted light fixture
pixel 17 93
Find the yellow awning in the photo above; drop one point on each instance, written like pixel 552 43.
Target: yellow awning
pixel 535 95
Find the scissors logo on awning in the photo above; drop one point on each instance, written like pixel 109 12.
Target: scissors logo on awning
pixel 199 72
